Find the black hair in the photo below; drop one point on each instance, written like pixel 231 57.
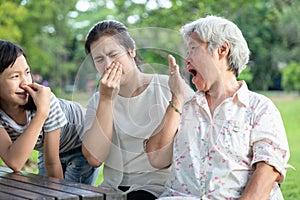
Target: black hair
pixel 9 52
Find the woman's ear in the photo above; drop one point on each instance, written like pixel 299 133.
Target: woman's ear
pixel 132 53
pixel 224 49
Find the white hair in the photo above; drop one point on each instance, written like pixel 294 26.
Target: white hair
pixel 216 31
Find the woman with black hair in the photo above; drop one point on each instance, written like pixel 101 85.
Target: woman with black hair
pixel 125 111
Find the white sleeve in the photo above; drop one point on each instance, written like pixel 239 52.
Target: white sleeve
pixel 91 112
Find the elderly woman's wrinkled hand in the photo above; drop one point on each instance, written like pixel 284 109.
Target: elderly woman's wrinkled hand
pixel 176 82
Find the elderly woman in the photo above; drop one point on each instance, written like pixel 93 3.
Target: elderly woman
pixel 230 142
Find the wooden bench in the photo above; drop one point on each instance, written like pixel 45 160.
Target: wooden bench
pixel 23 185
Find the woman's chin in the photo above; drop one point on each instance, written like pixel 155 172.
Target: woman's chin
pixel 198 83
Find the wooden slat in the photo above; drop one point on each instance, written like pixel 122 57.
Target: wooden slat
pixel 100 190
pixel 42 183
pixel 71 184
pixel 22 194
pixel 4 195
pixel 37 189
pixel 82 190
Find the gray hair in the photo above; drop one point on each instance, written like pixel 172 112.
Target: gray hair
pixel 216 31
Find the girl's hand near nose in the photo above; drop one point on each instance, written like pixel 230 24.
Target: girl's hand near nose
pixel 110 81
pixel 41 97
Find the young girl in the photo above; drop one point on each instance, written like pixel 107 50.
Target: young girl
pixel 124 112
pixel 31 117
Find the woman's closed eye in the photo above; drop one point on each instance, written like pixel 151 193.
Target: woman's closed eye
pixel 15 76
pixel 114 55
pixel 98 59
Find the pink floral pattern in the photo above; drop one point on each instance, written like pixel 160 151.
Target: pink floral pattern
pixel 213 155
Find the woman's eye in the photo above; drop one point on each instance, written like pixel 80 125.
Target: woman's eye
pixel 113 55
pixel 15 76
pixel 99 60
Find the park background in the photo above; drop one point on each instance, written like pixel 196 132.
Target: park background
pixel 52 33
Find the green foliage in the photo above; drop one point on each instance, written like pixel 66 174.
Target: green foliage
pixel 52 32
pixel 246 75
pixel 42 29
pixel 258 28
pixel 289 29
pixel 9 21
pixel 291 77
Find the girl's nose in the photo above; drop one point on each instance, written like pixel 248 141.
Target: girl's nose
pixel 26 79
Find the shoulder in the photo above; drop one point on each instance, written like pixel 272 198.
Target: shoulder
pixel 95 97
pixel 251 99
pixel 162 78
pixel 94 100
pixel 55 107
pixel 1 119
pixel 260 99
pixel 53 96
pixel 161 81
pixel 53 99
pixel 260 103
pixel 70 106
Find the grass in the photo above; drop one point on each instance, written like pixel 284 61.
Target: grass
pixel 289 106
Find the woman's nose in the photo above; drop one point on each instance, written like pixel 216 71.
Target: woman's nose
pixel 107 62
pixel 187 60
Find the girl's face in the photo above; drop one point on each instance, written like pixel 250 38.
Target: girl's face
pixel 106 50
pixel 11 81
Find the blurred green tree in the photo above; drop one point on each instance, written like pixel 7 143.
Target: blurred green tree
pixel 52 32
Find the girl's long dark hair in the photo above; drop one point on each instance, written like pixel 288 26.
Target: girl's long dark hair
pixel 30 104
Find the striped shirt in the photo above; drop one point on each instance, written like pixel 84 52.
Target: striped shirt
pixel 66 115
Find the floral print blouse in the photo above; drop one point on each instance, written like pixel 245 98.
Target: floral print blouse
pixel 213 156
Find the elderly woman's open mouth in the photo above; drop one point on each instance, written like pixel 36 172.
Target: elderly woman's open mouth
pixel 193 72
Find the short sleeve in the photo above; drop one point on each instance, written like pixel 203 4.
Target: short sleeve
pixel 269 138
pixel 1 119
pixel 91 112
pixel 56 118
